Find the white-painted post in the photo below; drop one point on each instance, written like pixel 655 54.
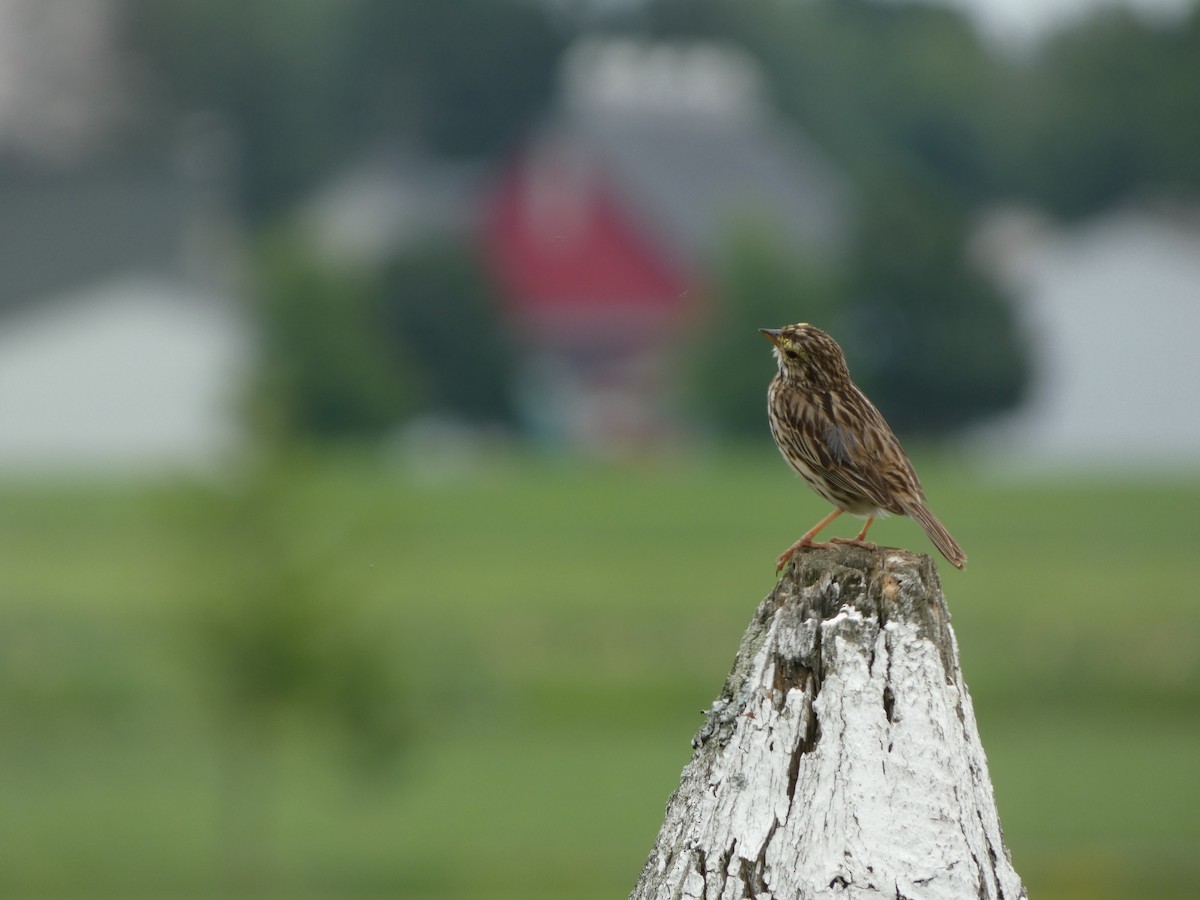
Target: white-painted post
pixel 842 757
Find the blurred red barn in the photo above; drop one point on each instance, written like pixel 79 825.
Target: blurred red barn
pixel 574 264
pixel 603 229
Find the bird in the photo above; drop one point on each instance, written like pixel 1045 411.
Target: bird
pixel 840 444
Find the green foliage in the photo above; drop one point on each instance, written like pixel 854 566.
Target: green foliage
pixel 269 619
pixel 931 341
pixel 1115 106
pixel 1098 114
pixel 348 353
pixel 442 310
pixel 467 76
pixel 306 83
pixel 327 367
pixel 887 89
pixel 279 73
pixel 758 286
pixel 277 644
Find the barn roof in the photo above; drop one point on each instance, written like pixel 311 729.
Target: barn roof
pixel 686 135
pixel 691 179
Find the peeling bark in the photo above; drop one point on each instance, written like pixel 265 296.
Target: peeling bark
pixel 841 758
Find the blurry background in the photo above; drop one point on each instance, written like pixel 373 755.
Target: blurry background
pixel 384 476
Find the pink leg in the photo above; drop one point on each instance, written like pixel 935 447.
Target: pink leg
pixel 860 540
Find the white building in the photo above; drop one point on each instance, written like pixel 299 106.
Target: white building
pixel 121 348
pixel 1112 310
pixel 135 374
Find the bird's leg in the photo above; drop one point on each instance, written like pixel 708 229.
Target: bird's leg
pixel 807 540
pixel 859 540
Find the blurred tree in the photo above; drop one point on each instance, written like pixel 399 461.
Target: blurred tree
pixel 883 87
pixel 348 353
pixel 758 286
pixel 466 77
pixel 707 19
pixel 930 339
pixel 1115 106
pixel 934 353
pixel 327 367
pixel 276 71
pixel 281 642
pixel 305 84
pixel 1097 114
pixel 441 309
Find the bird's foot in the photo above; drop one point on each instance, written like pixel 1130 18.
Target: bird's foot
pixel 804 542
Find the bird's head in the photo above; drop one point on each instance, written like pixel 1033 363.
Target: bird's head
pixel 807 356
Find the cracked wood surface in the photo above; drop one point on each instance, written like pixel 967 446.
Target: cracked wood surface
pixel 841 758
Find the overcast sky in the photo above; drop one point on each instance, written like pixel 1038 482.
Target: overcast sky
pixel 1019 21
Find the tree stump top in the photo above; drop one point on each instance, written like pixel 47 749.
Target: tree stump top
pixel 841 758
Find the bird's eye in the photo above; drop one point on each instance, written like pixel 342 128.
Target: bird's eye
pixel 791 354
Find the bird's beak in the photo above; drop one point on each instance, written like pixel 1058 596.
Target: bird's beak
pixel 772 335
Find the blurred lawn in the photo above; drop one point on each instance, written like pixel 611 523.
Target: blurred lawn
pixel 554 632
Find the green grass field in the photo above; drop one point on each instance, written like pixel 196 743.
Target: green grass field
pixel 341 682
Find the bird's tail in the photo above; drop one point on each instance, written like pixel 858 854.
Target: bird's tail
pixel 937 533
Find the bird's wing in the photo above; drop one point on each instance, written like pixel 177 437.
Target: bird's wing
pixel 864 455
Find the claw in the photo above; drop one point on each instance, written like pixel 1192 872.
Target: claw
pixel 801 544
pixel 807 540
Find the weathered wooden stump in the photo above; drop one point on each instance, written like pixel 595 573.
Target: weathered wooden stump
pixel 841 758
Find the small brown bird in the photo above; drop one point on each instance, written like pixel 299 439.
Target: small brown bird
pixel 831 434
